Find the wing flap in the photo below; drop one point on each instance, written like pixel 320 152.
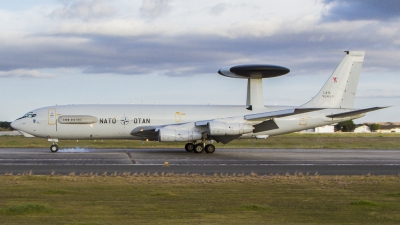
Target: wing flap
pixel 355 112
pixel 265 126
pixel 226 139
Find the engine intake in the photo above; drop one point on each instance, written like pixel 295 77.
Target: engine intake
pixel 220 128
pixel 166 135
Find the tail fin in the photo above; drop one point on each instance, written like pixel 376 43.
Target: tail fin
pixel 340 89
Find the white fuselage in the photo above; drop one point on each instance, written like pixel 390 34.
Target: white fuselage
pixel 117 121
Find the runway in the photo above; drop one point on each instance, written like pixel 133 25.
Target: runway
pixel 226 161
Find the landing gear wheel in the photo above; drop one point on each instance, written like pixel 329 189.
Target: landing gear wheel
pixel 54 148
pixel 198 148
pixel 210 148
pixel 189 147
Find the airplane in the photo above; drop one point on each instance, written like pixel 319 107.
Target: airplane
pixel 200 125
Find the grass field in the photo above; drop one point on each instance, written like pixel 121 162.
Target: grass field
pixel 198 199
pixel 294 140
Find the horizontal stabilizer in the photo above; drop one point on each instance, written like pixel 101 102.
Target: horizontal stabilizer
pixel 280 113
pixel 355 112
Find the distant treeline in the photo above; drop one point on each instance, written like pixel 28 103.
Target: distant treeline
pixel 5 125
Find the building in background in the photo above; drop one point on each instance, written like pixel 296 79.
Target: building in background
pixel 362 129
pixel 386 127
pixel 325 129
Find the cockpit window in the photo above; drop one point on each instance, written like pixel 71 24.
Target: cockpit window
pixel 28 115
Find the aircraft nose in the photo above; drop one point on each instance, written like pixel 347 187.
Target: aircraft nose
pixel 15 125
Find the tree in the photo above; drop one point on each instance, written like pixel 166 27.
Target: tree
pixel 375 126
pixel 5 125
pixel 346 126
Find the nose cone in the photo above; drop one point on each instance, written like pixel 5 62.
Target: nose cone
pixel 15 125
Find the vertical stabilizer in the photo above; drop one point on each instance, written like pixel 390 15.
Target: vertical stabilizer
pixel 340 89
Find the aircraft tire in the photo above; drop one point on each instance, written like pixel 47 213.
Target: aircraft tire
pixel 54 148
pixel 210 148
pixel 198 148
pixel 189 147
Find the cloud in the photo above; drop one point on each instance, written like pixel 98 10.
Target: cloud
pixel 84 10
pixel 23 73
pixel 217 9
pixel 380 10
pixel 383 93
pixel 154 8
pixel 134 45
pixel 304 51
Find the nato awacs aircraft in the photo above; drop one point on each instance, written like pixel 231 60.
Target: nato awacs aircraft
pixel 199 126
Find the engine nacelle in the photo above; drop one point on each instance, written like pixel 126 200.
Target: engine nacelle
pixel 220 128
pixel 165 135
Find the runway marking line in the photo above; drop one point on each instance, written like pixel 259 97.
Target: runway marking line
pixel 131 157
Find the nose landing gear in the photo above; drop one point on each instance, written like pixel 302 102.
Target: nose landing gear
pixel 54 146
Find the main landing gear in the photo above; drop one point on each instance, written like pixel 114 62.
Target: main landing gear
pixel 200 147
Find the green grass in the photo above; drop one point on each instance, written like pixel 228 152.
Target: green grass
pixel 198 199
pixel 292 141
pixel 253 207
pixel 25 209
pixel 364 203
pixel 397 194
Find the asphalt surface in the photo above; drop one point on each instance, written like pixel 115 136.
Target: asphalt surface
pixel 226 161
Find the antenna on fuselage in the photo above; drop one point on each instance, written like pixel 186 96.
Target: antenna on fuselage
pixel 254 75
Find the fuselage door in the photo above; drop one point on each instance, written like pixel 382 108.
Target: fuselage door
pixel 52 117
pixel 303 119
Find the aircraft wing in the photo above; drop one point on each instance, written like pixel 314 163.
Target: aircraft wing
pixel 355 112
pixel 268 115
pixel 279 113
pixel 266 123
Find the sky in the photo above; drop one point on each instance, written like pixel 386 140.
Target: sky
pixel 58 52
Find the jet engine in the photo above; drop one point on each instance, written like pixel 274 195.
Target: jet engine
pixel 220 128
pixel 178 135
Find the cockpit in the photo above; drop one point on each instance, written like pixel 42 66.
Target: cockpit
pixel 28 115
